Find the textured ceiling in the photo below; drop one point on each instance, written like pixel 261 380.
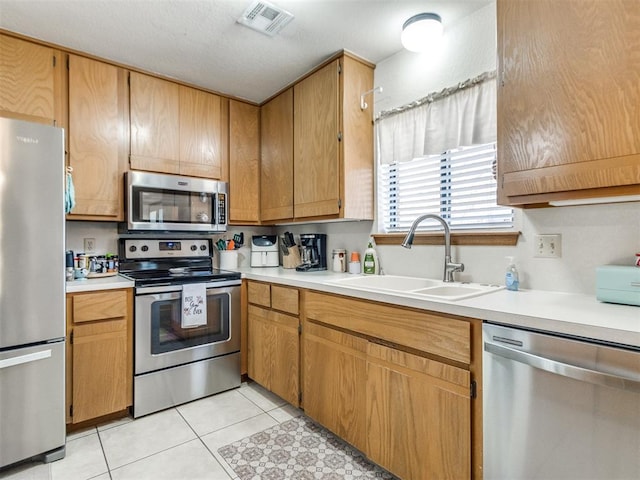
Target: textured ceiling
pixel 199 41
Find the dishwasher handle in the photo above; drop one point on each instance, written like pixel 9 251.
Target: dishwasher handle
pixel 564 369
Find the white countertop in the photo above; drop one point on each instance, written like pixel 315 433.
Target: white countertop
pixel 102 283
pixel 565 313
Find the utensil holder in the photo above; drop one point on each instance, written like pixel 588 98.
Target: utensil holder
pixel 228 259
pixel 293 259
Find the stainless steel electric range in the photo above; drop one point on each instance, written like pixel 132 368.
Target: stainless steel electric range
pixel 175 360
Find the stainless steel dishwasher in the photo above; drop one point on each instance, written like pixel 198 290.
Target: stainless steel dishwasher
pixel 559 408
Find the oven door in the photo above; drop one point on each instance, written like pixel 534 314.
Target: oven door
pixel 161 342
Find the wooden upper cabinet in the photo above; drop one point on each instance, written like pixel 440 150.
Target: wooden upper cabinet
pixel 176 129
pixel 30 81
pixel 568 99
pixel 333 142
pixel 244 163
pixel 201 143
pixel 155 120
pixel 276 180
pixel 97 137
pixel 315 140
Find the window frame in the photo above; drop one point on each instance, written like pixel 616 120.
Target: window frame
pixel 507 236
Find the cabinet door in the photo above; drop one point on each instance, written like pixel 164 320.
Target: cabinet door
pixel 276 192
pixel 334 381
pixel 285 357
pixel 260 338
pixel 201 129
pixel 568 100
pixel 244 163
pixel 97 144
pixel 273 352
pixel 155 110
pixel 100 380
pixel 357 143
pixel 418 414
pixel 30 79
pixel 316 153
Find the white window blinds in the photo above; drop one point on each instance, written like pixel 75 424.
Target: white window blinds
pixel 458 185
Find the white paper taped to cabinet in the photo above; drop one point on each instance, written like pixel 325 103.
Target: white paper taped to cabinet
pixel 194 305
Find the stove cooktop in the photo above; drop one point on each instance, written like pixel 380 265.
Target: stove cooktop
pixel 181 276
pixel 150 261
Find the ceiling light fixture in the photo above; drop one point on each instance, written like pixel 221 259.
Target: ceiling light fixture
pixel 421 31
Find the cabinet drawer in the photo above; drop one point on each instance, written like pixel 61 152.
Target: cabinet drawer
pixel 89 307
pixel 399 360
pixel 440 335
pixel 106 329
pixel 284 299
pixel 259 293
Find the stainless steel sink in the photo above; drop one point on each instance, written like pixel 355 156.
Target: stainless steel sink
pixel 415 287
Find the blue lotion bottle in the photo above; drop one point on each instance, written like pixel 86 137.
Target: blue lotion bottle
pixel 511 280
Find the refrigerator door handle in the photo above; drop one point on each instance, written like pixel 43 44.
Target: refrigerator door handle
pixel 564 369
pixel 30 357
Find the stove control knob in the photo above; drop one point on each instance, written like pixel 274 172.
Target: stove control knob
pixel 133 248
pixel 193 248
pixel 203 247
pixel 144 248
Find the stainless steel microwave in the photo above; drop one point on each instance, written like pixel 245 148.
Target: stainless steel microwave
pixel 172 203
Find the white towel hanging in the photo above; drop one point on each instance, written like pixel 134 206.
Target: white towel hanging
pixel 194 305
pixel 69 192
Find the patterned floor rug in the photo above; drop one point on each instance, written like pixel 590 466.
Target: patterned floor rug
pixel 298 449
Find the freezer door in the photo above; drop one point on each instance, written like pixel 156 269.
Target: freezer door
pixel 31 233
pixel 32 402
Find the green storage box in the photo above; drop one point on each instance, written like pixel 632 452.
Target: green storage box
pixel 618 284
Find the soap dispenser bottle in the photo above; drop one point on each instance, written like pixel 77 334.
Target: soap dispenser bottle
pixel 370 261
pixel 512 280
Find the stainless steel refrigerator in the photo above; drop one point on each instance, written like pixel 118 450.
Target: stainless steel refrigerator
pixel 32 292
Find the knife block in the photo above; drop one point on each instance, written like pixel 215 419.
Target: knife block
pixel 293 259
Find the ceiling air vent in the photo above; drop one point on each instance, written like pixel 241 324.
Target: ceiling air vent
pixel 265 17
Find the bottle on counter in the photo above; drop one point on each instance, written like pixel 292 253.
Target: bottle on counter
pixel 370 261
pixel 512 280
pixel 354 264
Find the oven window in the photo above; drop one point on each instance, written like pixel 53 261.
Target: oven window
pixel 167 335
pixel 152 205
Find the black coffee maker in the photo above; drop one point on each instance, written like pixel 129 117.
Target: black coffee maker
pixel 313 252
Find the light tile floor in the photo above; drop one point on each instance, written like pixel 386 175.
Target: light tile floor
pixel 175 444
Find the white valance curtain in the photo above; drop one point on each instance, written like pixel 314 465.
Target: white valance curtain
pixel 462 115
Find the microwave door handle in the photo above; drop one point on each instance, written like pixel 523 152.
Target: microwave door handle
pixel 564 369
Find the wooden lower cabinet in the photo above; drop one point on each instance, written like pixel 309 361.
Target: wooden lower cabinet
pixel 273 340
pixel 418 415
pixel 409 409
pixel 335 382
pixel 99 354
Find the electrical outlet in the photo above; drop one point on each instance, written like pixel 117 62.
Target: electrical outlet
pixel 548 246
pixel 89 245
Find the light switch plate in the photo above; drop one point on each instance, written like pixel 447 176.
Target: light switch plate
pixel 548 246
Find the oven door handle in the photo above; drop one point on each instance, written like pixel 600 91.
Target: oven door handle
pixel 167 288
